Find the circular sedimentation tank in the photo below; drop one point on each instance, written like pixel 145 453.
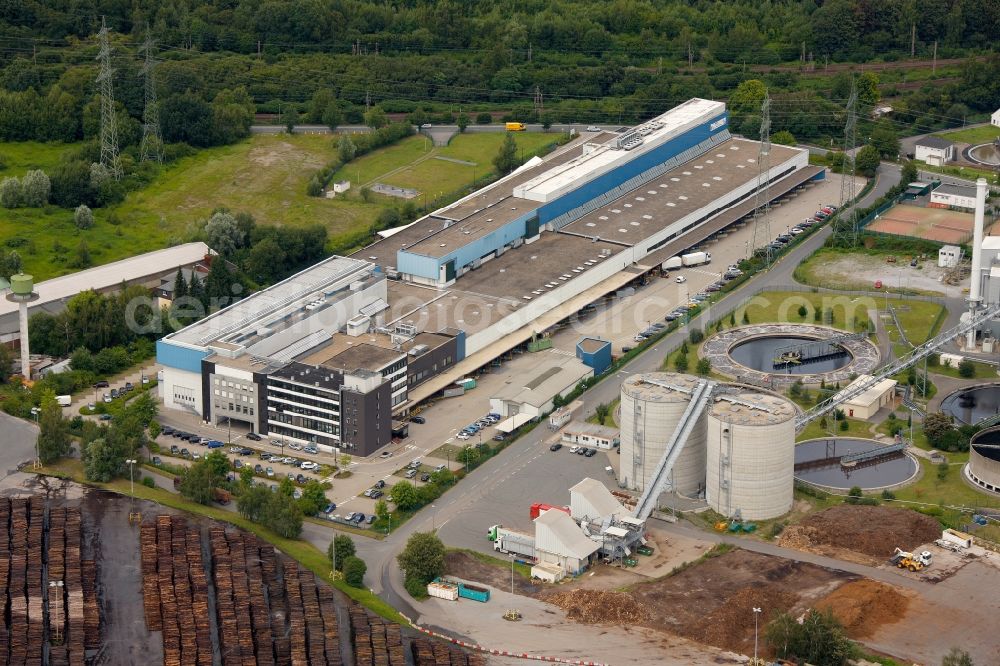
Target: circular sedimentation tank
pixel 751 455
pixel 773 355
pixel 760 353
pixel 984 459
pixel 972 405
pixel 649 415
pixel 818 461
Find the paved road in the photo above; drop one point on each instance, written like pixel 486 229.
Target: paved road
pixel 19 438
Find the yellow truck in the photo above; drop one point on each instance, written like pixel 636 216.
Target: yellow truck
pixel 515 127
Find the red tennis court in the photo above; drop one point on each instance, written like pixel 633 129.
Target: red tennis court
pixel 937 224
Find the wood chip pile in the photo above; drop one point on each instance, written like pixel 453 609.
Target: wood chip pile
pixel 872 530
pixel 600 607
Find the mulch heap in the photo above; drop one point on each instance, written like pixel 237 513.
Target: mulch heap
pixel 863 606
pixel 600 607
pixel 730 626
pixel 872 530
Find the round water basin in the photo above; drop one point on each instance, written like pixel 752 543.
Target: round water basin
pixel 972 405
pixel 818 461
pixel 759 354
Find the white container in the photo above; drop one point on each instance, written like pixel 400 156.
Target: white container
pixel 443 591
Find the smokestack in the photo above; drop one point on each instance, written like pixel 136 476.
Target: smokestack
pixel 976 279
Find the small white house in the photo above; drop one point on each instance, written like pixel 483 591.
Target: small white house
pixel 995 118
pixel 934 151
pixel 953 196
pixel 949 256
pixel 590 434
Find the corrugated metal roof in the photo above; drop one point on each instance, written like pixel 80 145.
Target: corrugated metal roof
pixel 557 533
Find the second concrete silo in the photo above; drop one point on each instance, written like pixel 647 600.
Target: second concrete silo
pixel 649 416
pixel 751 455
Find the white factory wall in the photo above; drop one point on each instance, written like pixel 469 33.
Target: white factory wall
pixel 181 389
pixel 756 462
pixel 656 421
pixel 945 199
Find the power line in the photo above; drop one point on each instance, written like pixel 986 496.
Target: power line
pixel 109 123
pixel 152 142
pixel 845 229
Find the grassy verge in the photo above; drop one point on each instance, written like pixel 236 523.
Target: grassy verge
pixel 301 551
pixel 520 569
pixel 982 371
pixel 818 270
pixel 973 135
pixel 815 429
pixel 609 420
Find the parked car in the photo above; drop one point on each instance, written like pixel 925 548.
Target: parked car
pixel 174 450
pixel 101 384
pixel 237 464
pixel 104 417
pixel 499 437
pixel 107 398
pixel 329 508
pixel 157 461
pixel 370 519
pixel 463 435
pixel 295 447
pixel 358 518
pixel 270 472
pixel 418 420
pixel 425 477
pixel 128 386
pixel 385 454
pixel 165 430
pixel 591 453
pixel 582 451
pixel 574 449
pixel 555 447
pixel 349 517
pixel 300 478
pixel 254 437
pixel 214 444
pixel 415 464
pixel 246 451
pixel 368 492
pixel 377 493
pixel 681 279
pixel 185 453
pixel 593 128
pixel 380 484
pixel 310 449
pixel 114 393
pixel 410 473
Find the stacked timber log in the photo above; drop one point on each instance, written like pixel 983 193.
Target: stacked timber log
pixel 76 637
pixel 150 582
pixel 168 600
pixel 278 609
pixel 331 627
pixel 199 592
pixel 362 632
pixel 259 616
pixel 33 583
pixel 224 606
pixel 18 571
pixel 4 576
pixel 296 618
pixel 241 596
pixel 91 614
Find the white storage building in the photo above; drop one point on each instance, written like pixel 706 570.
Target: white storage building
pixel 949 256
pixel 590 434
pixel 865 405
pixel 559 542
pixel 953 196
pixel 934 151
pixel 591 500
pixel 995 118
pixel 531 393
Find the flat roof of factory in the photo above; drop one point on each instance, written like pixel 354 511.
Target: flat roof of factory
pixel 369 351
pixel 691 186
pixel 245 315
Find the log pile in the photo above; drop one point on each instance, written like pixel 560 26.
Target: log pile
pixel 225 608
pixel 175 590
pixel 296 618
pixel 331 628
pixel 33 582
pixel 73 589
pixel 259 615
pixel 18 572
pixel 91 615
pixel 4 575
pixel 435 653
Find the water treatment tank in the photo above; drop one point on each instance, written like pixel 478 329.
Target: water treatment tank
pixel 751 455
pixel 984 459
pixel 649 415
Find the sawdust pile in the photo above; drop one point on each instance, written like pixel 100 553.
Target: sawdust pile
pixel 730 626
pixel 872 530
pixel 600 607
pixel 863 606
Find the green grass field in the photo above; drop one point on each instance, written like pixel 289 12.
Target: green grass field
pixel 20 157
pixel 413 162
pixel 973 135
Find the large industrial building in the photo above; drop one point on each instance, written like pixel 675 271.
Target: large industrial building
pixel 405 317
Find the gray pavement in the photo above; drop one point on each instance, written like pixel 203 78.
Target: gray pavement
pixel 18 437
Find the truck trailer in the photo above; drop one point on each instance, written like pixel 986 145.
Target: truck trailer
pixel 696 258
pixel 512 542
pixel 672 262
pixel 539 508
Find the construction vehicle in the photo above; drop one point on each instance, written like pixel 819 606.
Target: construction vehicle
pixel 911 561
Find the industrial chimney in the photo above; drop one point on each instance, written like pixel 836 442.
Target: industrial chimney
pixel 976 279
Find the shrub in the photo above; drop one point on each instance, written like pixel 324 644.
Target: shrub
pixel 966 368
pixel 148 481
pixel 845 426
pixel 696 335
pixel 83 217
pixel 484 118
pixel 354 571
pixel 10 193
pixel 36 188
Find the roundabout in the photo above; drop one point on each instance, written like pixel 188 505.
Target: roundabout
pixel 781 354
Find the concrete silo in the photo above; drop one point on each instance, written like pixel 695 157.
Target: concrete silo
pixel 649 416
pixel 751 455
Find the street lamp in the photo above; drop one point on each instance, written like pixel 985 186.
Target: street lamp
pixel 512 574
pixel 38 457
pixel 133 516
pixel 756 614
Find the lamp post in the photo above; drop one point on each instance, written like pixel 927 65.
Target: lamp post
pixel 38 457
pixel 133 516
pixel 512 574
pixel 756 614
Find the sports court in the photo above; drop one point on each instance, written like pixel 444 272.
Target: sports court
pixel 936 224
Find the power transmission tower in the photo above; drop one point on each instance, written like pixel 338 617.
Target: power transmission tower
pixel 109 124
pixel 539 105
pixel 762 200
pixel 845 228
pixel 152 142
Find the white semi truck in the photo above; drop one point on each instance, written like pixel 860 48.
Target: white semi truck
pixel 512 542
pixel 696 258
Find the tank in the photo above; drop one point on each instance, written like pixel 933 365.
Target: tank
pixel 751 455
pixel 984 459
pixel 649 416
pixel 21 284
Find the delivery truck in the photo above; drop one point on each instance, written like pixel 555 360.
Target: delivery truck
pixel 696 258
pixel 512 542
pixel 671 263
pixel 64 400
